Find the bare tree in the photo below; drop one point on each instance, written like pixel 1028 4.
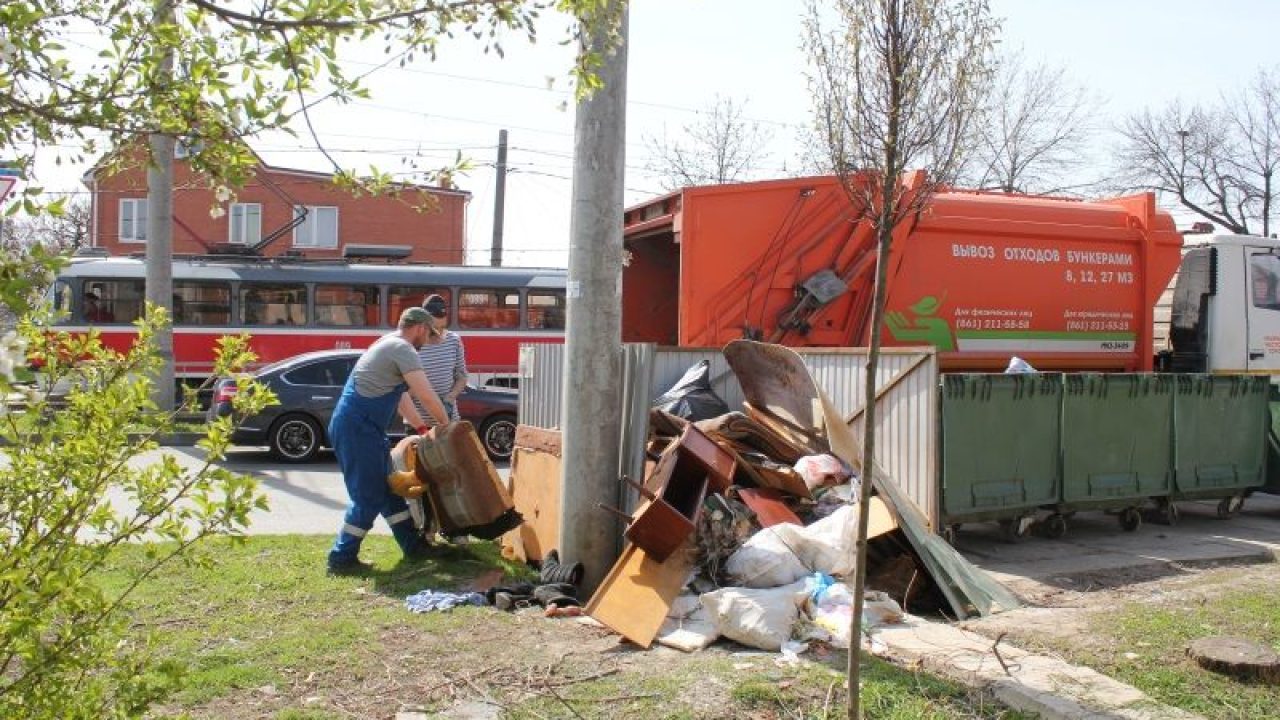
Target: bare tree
pixel 65 231
pixel 722 146
pixel 1219 161
pixel 1033 133
pixel 896 84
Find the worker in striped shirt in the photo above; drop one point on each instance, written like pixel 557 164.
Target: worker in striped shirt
pixel 442 356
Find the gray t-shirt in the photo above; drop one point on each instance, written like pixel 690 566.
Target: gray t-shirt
pixel 383 366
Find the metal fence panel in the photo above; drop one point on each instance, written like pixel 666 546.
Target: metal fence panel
pixel 906 445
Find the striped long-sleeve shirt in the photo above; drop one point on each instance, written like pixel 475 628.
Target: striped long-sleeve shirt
pixel 443 362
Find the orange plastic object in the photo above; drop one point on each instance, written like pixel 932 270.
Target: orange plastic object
pixel 1064 284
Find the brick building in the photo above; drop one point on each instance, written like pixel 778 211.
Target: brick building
pixel 425 223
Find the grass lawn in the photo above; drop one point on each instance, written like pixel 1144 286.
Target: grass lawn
pixel 1156 638
pixel 1139 632
pixel 266 634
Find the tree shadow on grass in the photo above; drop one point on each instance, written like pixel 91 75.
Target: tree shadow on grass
pixel 449 568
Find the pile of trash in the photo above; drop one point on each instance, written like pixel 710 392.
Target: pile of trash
pixel 747 523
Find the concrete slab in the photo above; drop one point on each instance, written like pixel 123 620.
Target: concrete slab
pixel 1094 542
pixel 1047 686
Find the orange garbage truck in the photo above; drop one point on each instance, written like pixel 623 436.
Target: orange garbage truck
pixel 1080 290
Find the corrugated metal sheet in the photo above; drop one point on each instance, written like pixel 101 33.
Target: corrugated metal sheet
pixel 541 369
pixel 907 420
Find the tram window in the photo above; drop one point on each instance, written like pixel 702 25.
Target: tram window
pixel 112 301
pixel 402 298
pixel 546 310
pixel 273 304
pixel 196 303
pixel 60 297
pixel 489 309
pixel 346 306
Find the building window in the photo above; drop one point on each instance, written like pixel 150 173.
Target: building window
pixel 346 306
pixel 133 220
pixel 488 309
pixel 319 229
pixel 246 223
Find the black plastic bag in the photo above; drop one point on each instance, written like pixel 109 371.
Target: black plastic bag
pixel 692 397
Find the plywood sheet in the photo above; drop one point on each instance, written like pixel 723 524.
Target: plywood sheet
pixel 636 595
pixel 535 489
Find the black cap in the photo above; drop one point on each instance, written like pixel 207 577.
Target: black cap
pixel 435 306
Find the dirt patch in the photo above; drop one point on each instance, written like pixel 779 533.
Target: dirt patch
pixel 501 660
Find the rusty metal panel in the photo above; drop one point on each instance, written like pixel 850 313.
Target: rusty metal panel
pixel 541 368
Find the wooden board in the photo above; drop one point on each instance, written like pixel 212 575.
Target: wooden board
pixel 768 506
pixel 535 489
pixel 536 438
pixel 634 598
pixel 879 519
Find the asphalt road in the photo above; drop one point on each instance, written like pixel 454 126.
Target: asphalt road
pixel 307 498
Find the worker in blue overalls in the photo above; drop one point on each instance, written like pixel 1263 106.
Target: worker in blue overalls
pixel 358 432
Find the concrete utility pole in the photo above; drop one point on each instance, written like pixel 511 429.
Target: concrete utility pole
pixel 592 420
pixel 499 200
pixel 160 230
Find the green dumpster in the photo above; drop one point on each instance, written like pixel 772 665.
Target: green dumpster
pixel 1220 437
pixel 1117 435
pixel 999 447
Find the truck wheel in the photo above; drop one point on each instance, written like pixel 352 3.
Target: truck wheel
pixel 498 435
pixel 1230 506
pixel 1055 526
pixel 294 438
pixel 1130 519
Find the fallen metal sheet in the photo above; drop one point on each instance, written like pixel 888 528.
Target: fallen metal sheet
pixel 776 382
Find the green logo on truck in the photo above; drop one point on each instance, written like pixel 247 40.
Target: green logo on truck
pixel 922 326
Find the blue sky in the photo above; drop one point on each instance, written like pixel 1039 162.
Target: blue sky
pixel 1131 53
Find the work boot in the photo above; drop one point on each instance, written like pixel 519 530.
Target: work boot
pixel 421 551
pixel 510 601
pixel 354 566
pixel 552 571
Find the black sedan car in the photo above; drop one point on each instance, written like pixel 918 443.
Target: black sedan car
pixel 308 387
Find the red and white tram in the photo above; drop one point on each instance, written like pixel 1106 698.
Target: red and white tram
pixel 292 306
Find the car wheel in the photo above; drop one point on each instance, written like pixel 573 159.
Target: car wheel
pixel 498 435
pixel 294 438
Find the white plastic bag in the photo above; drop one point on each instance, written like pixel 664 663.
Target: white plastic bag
pixel 822 471
pixel 1019 366
pixel 785 553
pixel 687 627
pixel 756 618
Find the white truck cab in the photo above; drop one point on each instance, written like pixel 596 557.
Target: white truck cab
pixel 1225 316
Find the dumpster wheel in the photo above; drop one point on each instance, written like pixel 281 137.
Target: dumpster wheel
pixel 1014 529
pixel 1130 519
pixel 950 533
pixel 1055 526
pixel 1167 512
pixel 1230 506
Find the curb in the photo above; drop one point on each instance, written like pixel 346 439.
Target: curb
pixel 1047 686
